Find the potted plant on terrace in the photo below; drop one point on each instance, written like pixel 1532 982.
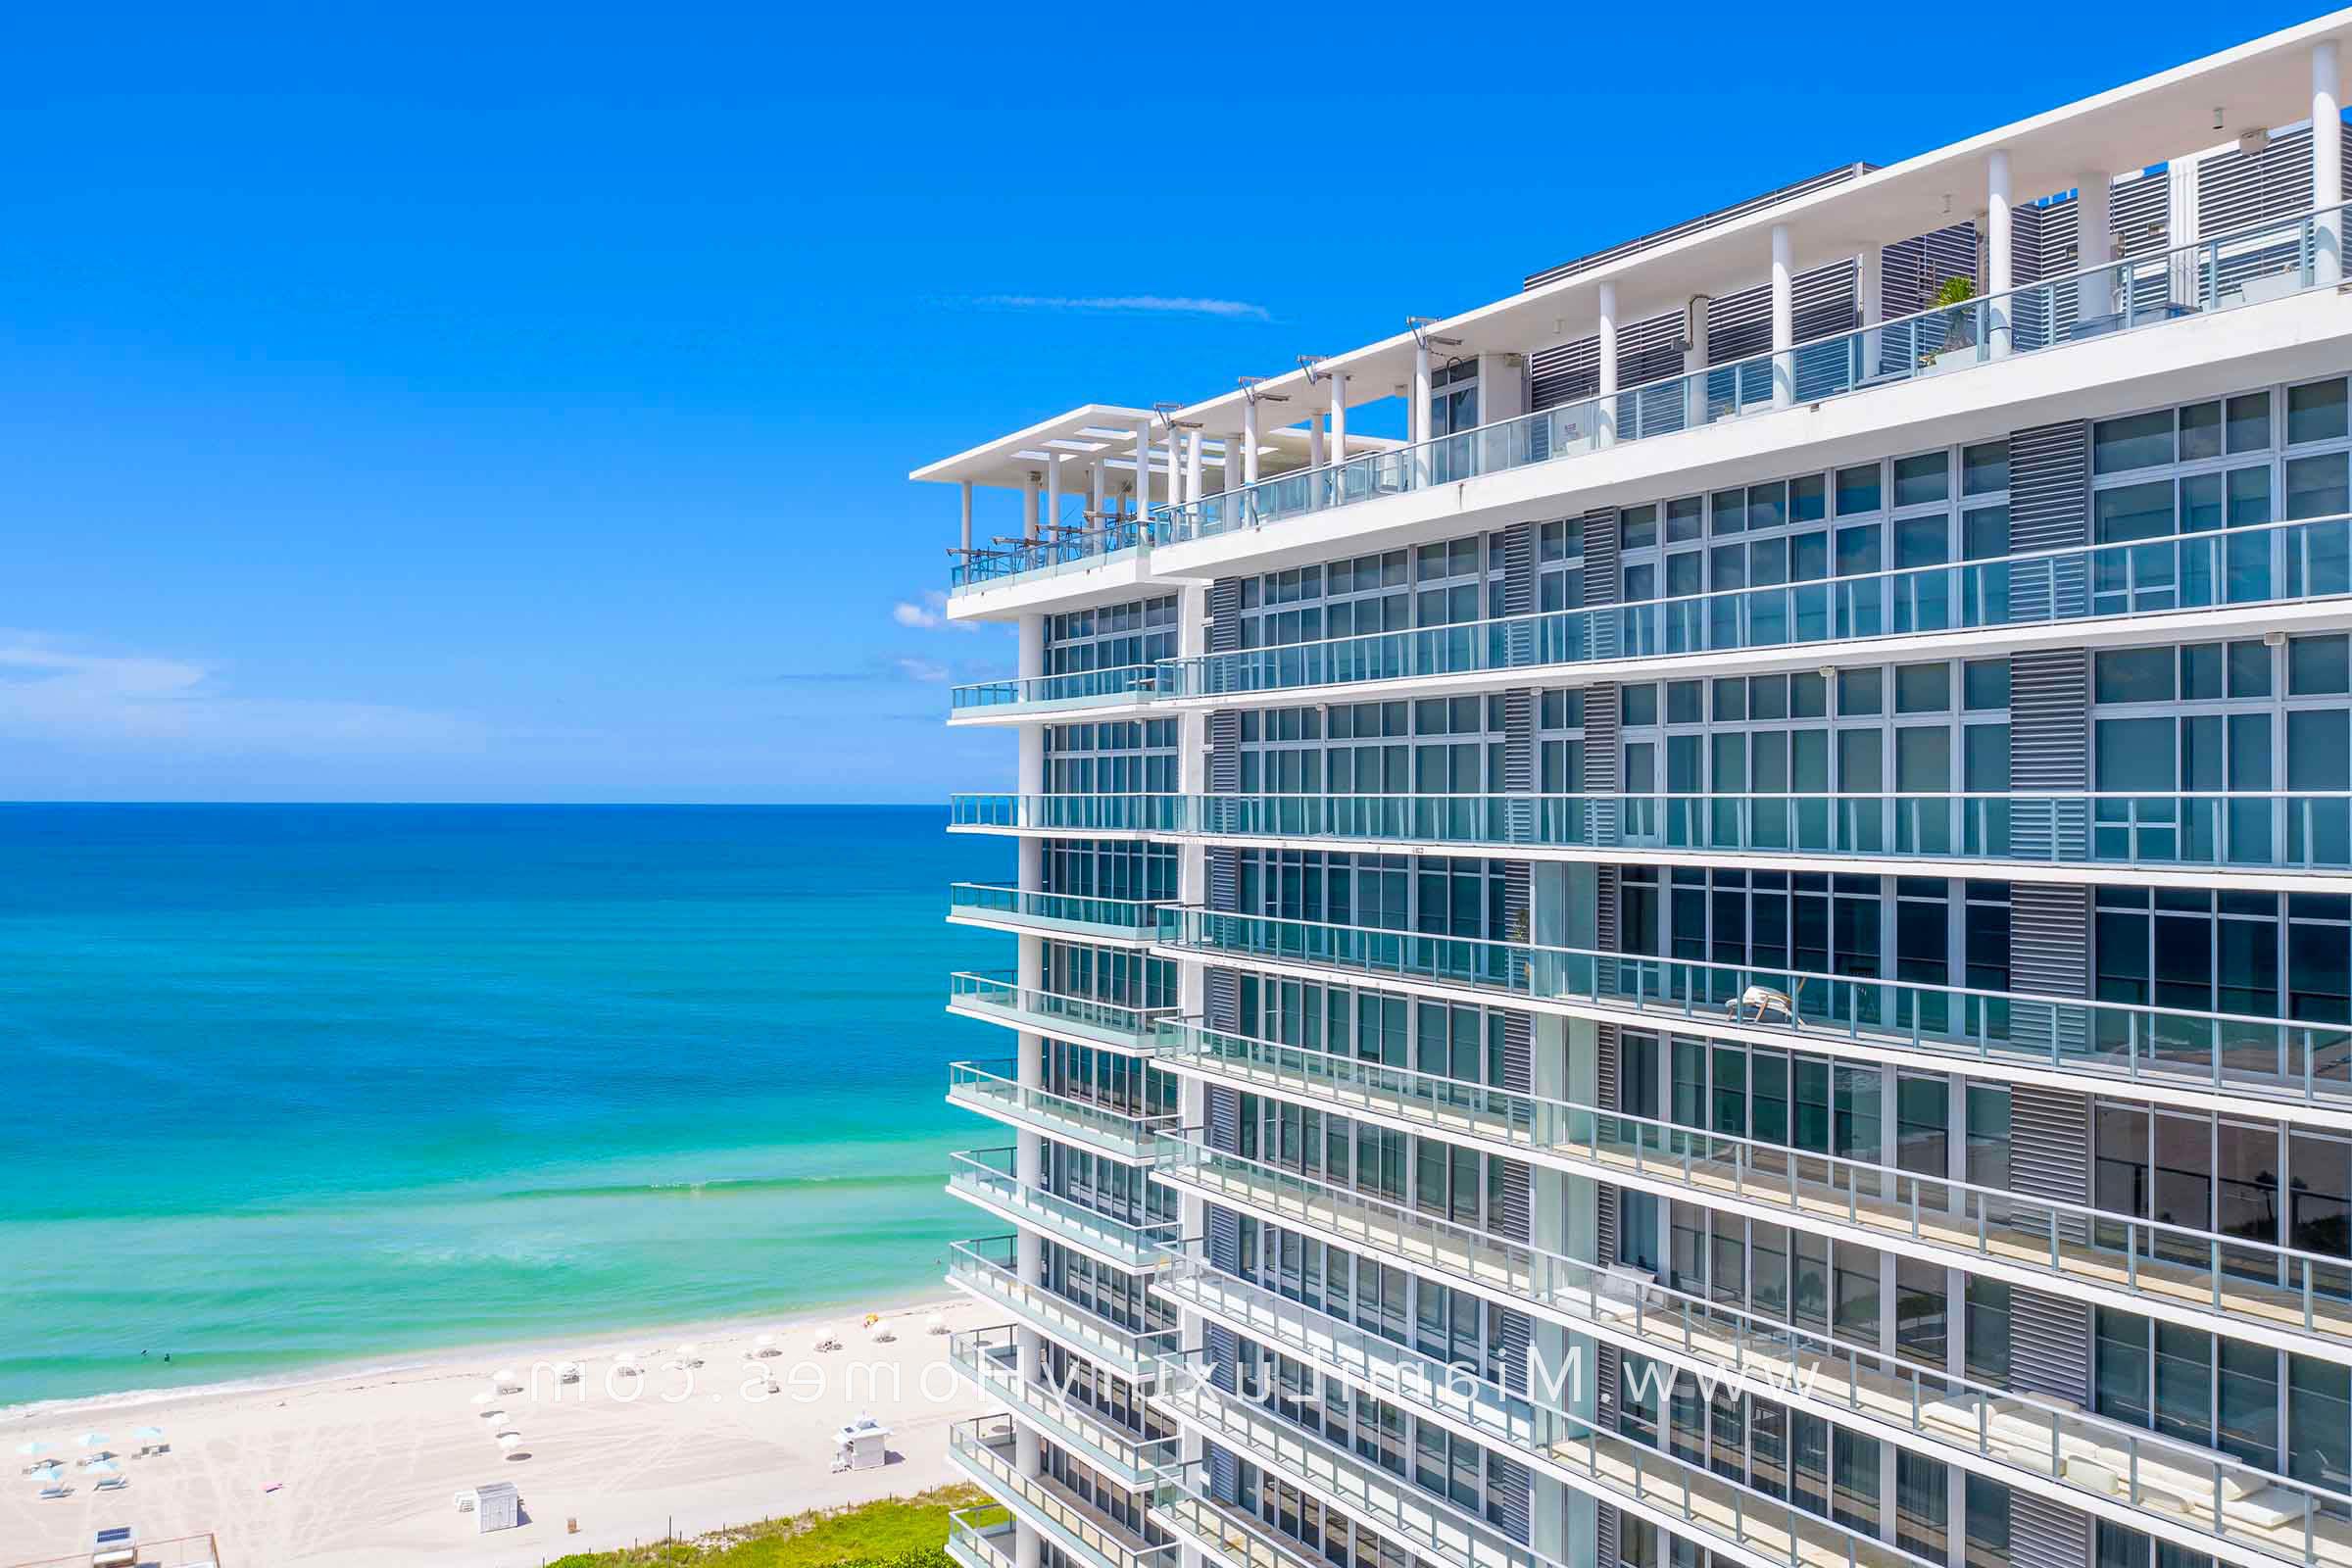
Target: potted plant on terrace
pixel 1951 297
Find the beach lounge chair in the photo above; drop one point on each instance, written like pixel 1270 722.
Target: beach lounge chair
pixel 1762 999
pixel 112 1484
pixel 56 1489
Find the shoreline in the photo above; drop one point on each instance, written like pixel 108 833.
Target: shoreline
pixel 359 1468
pixel 582 1345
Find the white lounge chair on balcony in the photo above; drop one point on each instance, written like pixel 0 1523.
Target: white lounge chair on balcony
pixel 1762 999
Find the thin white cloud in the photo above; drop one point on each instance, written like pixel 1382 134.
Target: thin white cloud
pixel 922 670
pixel 1129 304
pixel 53 691
pixel 929 613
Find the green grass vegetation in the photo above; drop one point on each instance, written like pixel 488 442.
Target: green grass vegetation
pixel 894 1533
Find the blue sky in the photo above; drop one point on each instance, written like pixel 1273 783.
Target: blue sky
pixel 491 404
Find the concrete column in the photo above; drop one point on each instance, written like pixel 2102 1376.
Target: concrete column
pixel 1695 360
pixel 1870 285
pixel 1175 471
pixel 1338 416
pixel 1143 468
pixel 1098 474
pixel 1192 466
pixel 1052 487
pixel 1417 417
pixel 1249 441
pixel 966 488
pixel 1030 779
pixel 2327 163
pixel 1029 507
pixel 1604 429
pixel 1783 320
pixel 2094 245
pixel 2000 251
pixel 1314 441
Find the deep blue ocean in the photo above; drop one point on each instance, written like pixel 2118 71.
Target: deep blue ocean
pixel 296 1086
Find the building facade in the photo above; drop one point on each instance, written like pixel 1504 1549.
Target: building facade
pixel 1736 952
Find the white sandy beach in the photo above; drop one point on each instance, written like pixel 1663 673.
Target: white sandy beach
pixel 367 1464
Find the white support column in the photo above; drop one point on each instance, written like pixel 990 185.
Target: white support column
pixel 2327 164
pixel 1869 309
pixel 1142 469
pixel 1783 320
pixel 1192 466
pixel 1250 440
pixel 1175 469
pixel 1604 428
pixel 2000 251
pixel 1098 477
pixel 1338 416
pixel 1314 441
pixel 2094 245
pixel 1418 415
pixel 1053 488
pixel 967 487
pixel 1029 507
pixel 1695 360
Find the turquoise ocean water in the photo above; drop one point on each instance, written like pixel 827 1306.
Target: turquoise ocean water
pixel 289 1087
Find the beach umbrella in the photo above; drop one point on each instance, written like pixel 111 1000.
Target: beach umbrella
pixel 92 1440
pixel 484 1398
pixel 29 1449
pixel 690 1352
pixel 494 1415
pixel 148 1434
pixel 103 1467
pixel 935 1323
pixel 45 1469
pixel 509 1441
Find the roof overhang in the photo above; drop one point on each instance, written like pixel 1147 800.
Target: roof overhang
pixel 2262 84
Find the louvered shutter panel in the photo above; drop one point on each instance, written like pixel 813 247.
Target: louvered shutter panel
pixel 2050 1344
pixel 1605 1551
pixel 2049 508
pixel 1507 1495
pixel 2047 1535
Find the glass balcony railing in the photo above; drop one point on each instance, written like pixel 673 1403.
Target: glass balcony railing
pixel 1080 915
pixel 991 1358
pixel 2224 1054
pixel 981 1538
pixel 1225 1534
pixel 2288 1292
pixel 999 999
pixel 2266 563
pixel 991 1088
pixel 1388 1503
pixel 1618 1469
pixel 2050 1442
pixel 984 568
pixel 1036 692
pixel 2262 262
pixel 1056 814
pixel 987 1267
pixel 986 1177
pixel 2256 830
pixel 985 1447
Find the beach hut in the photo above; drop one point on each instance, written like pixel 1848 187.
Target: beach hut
pixel 863 1444
pixel 496 1507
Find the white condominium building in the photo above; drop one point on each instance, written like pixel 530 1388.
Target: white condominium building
pixel 1739 951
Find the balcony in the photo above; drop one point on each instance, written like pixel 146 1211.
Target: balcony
pixel 1386 1503
pixel 1061 815
pixel 985 1268
pixel 990 1089
pixel 985 1177
pixel 2266 261
pixel 998 999
pixel 1048 694
pixel 2243 832
pixel 2300 1300
pixel 1225 1534
pixel 1925 608
pixel 1684 1498
pixel 2098 1463
pixel 984 1449
pixel 975 1543
pixel 1002 906
pixel 1070 552
pixel 2276 1061
pixel 991 1358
